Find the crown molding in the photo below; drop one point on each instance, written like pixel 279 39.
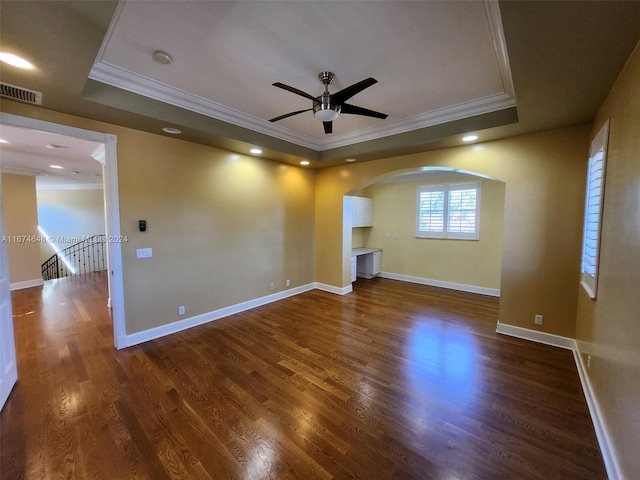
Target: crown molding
pixel 107 73
pixel 452 113
pixel 132 82
pixel 494 21
pixel 14 170
pixel 71 186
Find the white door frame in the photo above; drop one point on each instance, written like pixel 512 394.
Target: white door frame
pixel 8 362
pixel 112 208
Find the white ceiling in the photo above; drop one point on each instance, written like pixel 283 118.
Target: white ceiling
pixel 32 152
pixel 440 65
pixel 434 61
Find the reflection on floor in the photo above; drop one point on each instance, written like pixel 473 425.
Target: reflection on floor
pixel 392 381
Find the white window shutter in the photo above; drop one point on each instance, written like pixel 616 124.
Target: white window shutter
pixel 594 200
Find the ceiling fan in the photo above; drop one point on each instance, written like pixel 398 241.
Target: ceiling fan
pixel 328 106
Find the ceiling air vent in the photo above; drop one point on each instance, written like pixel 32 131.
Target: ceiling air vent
pixel 21 94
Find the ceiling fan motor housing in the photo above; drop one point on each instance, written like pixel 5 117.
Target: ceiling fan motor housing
pixel 323 109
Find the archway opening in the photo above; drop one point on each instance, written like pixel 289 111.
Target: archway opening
pixel 444 260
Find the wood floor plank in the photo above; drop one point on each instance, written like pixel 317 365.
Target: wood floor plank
pixel 392 381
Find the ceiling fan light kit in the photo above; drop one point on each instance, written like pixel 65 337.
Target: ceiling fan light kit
pixel 328 107
pixel 325 111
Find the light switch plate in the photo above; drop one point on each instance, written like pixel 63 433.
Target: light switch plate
pixel 144 253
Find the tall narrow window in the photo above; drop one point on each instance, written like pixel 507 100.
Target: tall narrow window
pixel 449 211
pixel 593 211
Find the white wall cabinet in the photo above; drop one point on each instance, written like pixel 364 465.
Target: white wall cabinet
pixel 362 212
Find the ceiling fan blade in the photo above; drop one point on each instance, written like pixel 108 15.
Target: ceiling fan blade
pixel 346 93
pixel 328 127
pixel 291 114
pixel 293 90
pixel 353 110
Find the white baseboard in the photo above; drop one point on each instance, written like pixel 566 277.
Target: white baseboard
pixel 536 336
pixel 494 292
pixel 174 327
pixel 36 282
pixel 604 440
pixel 331 289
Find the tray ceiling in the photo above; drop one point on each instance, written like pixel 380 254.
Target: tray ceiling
pixel 435 62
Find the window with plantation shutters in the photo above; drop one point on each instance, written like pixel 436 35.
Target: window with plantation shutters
pixel 594 199
pixel 448 211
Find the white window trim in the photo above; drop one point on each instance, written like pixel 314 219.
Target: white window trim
pixel 600 143
pixel 446 188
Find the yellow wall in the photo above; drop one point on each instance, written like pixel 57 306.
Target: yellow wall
pixel 21 219
pixel 222 226
pixel 544 176
pixel 209 252
pixel 608 328
pixel 466 262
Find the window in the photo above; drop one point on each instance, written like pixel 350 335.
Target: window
pixel 449 211
pixel 593 211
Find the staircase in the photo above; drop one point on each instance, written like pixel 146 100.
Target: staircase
pixel 86 256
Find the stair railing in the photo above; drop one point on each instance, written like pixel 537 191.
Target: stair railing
pixel 85 256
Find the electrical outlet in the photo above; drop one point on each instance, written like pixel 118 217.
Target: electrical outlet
pixel 538 320
pixel 272 286
pixel 288 283
pixel 588 362
pixel 181 310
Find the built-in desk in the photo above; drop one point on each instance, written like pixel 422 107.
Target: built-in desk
pixel 365 262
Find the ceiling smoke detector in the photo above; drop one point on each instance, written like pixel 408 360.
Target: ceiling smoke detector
pixel 162 57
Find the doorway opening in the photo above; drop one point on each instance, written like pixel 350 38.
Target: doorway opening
pixel 105 153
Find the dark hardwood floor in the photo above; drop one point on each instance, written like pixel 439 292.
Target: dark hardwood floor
pixel 393 381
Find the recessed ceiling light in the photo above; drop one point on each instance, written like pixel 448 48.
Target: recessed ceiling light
pixel 171 131
pixel 162 57
pixel 304 162
pixel 256 151
pixel 56 166
pixel 469 138
pixel 15 61
pixel 350 160
pixel 3 141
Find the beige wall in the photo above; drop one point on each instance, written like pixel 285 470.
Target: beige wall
pixel 473 263
pixel 222 226
pixel 608 328
pixel 21 219
pixel 212 249
pixel 544 176
pixel 69 214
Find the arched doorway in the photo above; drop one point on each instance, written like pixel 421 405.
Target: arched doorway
pixel 439 259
